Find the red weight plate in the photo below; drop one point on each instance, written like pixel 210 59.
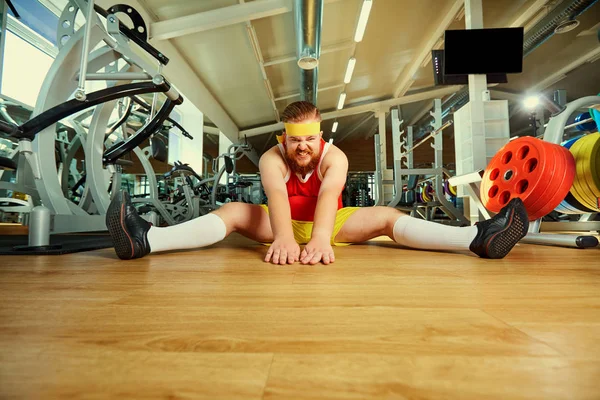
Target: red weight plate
pixel 524 159
pixel 565 176
pixel 557 168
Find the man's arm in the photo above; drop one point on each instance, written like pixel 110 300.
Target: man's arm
pixel 335 166
pixel 272 170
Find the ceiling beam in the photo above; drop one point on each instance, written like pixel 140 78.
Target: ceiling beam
pixel 297 94
pixel 560 74
pixel 183 77
pixel 211 130
pixel 384 105
pixel 532 10
pixel 446 17
pixel 261 63
pixel 220 17
pixel 506 95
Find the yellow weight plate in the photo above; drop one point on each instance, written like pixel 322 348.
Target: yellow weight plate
pixel 592 167
pixel 577 190
pixel 586 152
pixel 583 150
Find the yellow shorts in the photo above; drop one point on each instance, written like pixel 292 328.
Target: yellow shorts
pixel 303 229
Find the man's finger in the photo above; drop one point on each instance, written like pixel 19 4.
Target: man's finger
pixel 275 259
pixel 303 253
pixel 316 258
pixel 268 256
pixel 308 256
pixel 283 257
pixel 291 258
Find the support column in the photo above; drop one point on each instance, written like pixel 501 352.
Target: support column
pixel 438 140
pixel 378 195
pixel 3 13
pixel 382 139
pixel 477 86
pixel 409 144
pixel 396 134
pixel 386 174
pixel 396 143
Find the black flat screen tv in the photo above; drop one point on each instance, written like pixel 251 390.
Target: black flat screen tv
pixel 483 51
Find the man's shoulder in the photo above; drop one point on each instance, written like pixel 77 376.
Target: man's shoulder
pixel 272 156
pixel 334 152
pixel 272 153
pixel 334 157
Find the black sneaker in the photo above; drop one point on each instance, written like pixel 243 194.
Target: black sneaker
pixel 497 236
pixel 129 231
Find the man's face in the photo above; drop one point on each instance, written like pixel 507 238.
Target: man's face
pixel 303 152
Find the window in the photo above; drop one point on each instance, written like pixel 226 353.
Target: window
pixel 36 17
pixel 24 70
pixel 144 186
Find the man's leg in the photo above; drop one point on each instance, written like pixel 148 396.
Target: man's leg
pixel 134 237
pixel 493 238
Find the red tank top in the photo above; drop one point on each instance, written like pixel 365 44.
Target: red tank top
pixel 303 194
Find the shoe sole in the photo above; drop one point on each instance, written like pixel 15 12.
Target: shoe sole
pixel 116 227
pixel 501 243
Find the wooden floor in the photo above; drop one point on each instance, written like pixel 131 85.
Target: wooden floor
pixel 381 323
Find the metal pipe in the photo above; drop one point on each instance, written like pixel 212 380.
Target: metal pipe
pixel 85 49
pixel 545 28
pixel 120 76
pixel 574 124
pixel 308 19
pixel 562 240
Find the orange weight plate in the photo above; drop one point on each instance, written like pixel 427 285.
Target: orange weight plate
pixel 561 183
pixel 522 168
pixel 535 204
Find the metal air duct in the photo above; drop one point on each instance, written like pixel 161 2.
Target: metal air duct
pixel 308 19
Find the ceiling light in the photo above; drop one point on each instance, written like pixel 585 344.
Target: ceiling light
pixel 341 101
pixel 362 20
pixel 532 102
pixel 334 127
pixel 349 70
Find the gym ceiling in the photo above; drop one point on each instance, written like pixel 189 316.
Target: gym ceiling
pixel 236 60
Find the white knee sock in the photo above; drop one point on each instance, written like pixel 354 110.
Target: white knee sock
pixel 421 234
pixel 199 232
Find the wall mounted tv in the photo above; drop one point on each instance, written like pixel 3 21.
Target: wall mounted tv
pixel 441 79
pixel 483 51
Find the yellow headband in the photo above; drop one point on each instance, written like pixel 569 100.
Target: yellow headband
pixel 313 128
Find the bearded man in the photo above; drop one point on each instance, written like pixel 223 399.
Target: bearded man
pixel 303 178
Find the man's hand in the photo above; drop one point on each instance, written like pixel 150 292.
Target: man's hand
pixel 317 250
pixel 283 250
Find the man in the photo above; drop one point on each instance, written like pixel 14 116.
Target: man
pixel 303 178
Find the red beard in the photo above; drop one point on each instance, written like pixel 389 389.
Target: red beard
pixel 302 169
